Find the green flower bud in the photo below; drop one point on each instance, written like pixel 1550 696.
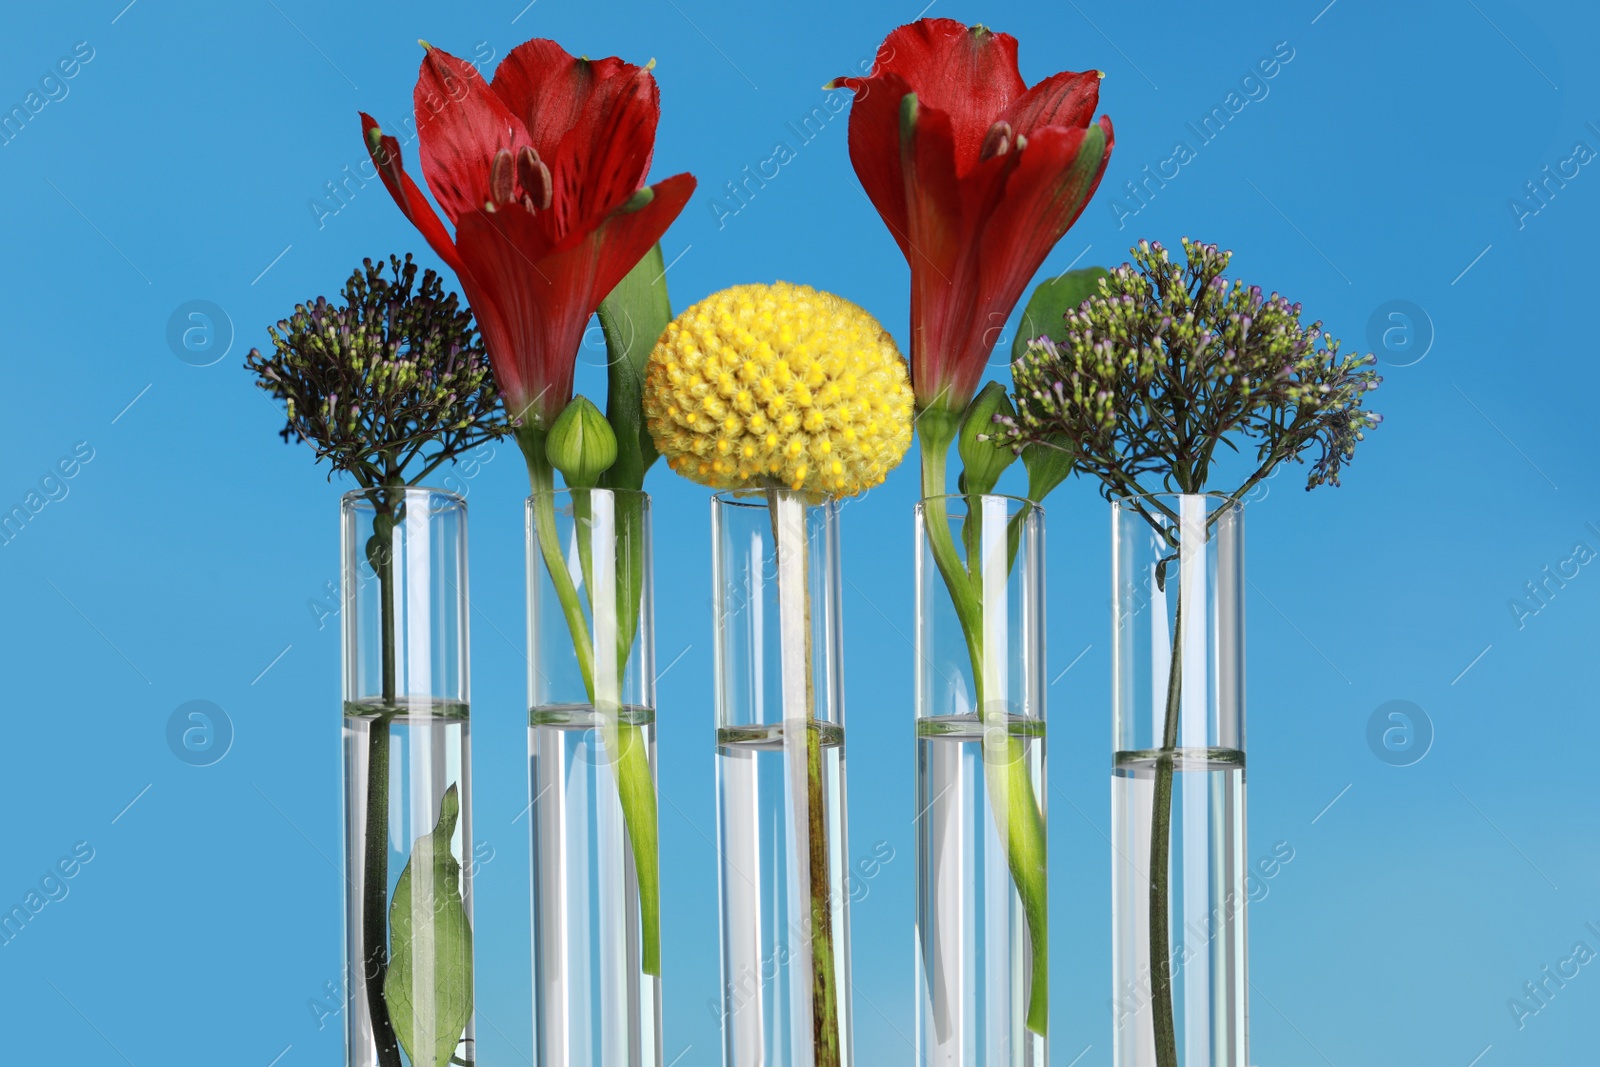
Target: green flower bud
pixel 581 444
pixel 984 461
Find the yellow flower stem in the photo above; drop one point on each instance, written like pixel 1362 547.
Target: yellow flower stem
pixel 1011 795
pixel 623 740
pixel 789 540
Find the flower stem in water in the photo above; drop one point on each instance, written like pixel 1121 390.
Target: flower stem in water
pixel 1166 1042
pixel 375 875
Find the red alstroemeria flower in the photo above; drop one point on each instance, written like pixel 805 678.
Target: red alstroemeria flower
pixel 977 177
pixel 542 174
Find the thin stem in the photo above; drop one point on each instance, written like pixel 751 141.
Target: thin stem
pixel 824 985
pixel 542 478
pixel 375 875
pixel 622 741
pixel 1166 1042
pixel 1012 800
pixel 434 464
pixel 824 982
pixel 936 518
pixel 1274 457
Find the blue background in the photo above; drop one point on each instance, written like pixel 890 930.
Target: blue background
pixel 188 556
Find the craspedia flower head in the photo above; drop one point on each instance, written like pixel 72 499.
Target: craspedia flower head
pixel 779 386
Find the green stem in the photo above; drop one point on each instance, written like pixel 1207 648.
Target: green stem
pixel 541 476
pixel 936 518
pixel 824 982
pixel 1166 1042
pixel 824 985
pixel 624 741
pixel 1163 1012
pixel 375 845
pixel 636 781
pixel 1010 787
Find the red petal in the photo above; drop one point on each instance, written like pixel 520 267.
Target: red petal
pixel 593 122
pixel 550 90
pixel 970 337
pixel 942 256
pixel 501 322
pixel 971 73
pixel 505 301
pixel 1064 99
pixel 461 124
pixel 604 158
pixel 1054 178
pixel 533 302
pixel 386 157
pixel 623 239
pixel 875 148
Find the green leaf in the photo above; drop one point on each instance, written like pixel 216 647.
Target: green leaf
pixel 1048 463
pixel 430 947
pixel 1044 315
pixel 633 317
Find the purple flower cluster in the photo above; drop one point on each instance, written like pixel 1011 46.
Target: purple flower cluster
pixel 1169 361
pixel 394 375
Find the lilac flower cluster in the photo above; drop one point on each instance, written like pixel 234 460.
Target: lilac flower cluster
pixel 395 374
pixel 1168 361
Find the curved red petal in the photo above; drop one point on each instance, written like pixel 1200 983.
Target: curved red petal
pixel 550 90
pixel 1052 183
pixel 461 124
pixel 941 251
pixel 593 123
pixel 509 296
pixel 1064 99
pixel 499 320
pixel 622 239
pixel 970 335
pixel 604 158
pixel 386 158
pixel 969 72
pixel 875 148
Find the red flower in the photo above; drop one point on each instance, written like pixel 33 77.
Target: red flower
pixel 977 177
pixel 542 174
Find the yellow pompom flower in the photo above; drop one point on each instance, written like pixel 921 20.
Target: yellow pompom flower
pixel 763 386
